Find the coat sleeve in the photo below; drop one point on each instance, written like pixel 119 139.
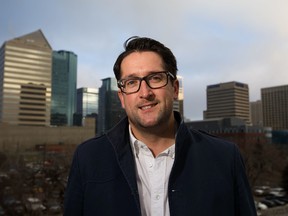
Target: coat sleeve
pixel 244 202
pixel 73 203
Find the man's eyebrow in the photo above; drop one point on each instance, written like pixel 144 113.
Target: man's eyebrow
pixel 133 75
pixel 130 76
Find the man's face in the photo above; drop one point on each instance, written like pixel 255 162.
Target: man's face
pixel 147 108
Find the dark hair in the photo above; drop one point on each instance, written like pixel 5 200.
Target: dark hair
pixel 141 44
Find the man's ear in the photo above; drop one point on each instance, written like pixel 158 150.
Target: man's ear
pixel 176 89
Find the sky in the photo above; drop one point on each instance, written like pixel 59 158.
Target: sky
pixel 214 41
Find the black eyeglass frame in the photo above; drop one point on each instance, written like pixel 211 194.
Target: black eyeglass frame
pixel 120 82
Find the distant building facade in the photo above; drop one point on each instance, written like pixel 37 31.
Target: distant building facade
pixel 178 105
pixel 14 138
pixel 110 110
pixel 229 99
pixel 87 101
pixel 25 80
pixel 64 82
pixel 256 113
pixel 233 129
pixel 275 107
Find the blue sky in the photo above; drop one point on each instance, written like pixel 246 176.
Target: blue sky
pixel 213 41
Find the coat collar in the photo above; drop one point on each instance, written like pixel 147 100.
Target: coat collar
pixel 119 138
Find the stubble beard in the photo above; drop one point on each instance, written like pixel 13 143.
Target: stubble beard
pixel 158 121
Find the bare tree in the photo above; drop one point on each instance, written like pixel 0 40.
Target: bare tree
pixel 264 163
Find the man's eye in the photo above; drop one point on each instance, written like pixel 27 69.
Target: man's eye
pixel 130 83
pixel 156 78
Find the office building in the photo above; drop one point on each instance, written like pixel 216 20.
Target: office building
pixel 110 110
pixel 25 80
pixel 275 107
pixel 64 92
pixel 178 105
pixel 229 99
pixel 87 101
pixel 256 114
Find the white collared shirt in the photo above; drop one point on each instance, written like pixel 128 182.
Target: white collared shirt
pixel 152 177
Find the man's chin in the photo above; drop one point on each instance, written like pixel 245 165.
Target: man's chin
pixel 148 123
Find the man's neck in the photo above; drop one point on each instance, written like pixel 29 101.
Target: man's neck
pixel 157 139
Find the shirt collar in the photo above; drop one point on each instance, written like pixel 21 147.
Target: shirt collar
pixel 137 144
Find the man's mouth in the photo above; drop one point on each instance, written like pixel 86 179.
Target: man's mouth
pixel 147 107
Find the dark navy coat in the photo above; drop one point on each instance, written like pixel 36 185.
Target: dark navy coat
pixel 207 178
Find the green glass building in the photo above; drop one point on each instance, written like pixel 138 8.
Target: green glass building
pixel 64 88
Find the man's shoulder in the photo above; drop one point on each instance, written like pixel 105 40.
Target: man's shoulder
pixel 208 135
pixel 94 144
pixel 212 148
pixel 110 140
pixel 204 138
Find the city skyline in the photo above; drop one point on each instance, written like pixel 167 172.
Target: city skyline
pixel 214 42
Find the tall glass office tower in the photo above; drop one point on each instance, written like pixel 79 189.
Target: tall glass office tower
pixel 25 80
pixel 110 110
pixel 64 92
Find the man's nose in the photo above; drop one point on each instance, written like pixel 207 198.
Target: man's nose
pixel 145 91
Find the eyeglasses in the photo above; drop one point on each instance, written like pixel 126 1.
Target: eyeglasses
pixel 154 81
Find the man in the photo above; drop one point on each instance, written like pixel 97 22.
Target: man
pixel 151 164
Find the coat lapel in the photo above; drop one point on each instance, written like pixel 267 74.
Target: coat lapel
pixel 119 138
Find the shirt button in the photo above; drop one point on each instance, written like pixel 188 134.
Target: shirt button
pixel 157 197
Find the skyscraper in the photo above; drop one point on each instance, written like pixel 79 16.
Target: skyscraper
pixel 64 82
pixel 229 99
pixel 87 101
pixel 275 107
pixel 110 109
pixel 25 80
